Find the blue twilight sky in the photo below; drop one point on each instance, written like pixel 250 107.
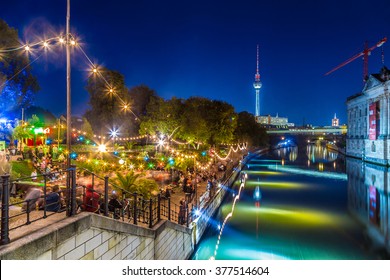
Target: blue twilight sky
pixel 208 48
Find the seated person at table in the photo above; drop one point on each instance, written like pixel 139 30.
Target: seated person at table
pixel 53 200
pixel 91 199
pixel 114 205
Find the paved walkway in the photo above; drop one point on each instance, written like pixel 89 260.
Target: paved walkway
pixel 38 222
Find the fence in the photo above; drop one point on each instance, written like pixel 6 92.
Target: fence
pixel 94 197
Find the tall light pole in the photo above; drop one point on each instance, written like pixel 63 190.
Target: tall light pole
pixel 68 94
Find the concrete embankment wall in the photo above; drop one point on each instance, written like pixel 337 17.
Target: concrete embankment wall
pixel 93 237
pixel 200 225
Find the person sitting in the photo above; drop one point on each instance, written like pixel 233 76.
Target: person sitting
pixel 91 199
pixel 53 200
pixel 114 205
pixel 33 195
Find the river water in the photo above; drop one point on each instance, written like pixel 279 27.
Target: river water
pixel 305 202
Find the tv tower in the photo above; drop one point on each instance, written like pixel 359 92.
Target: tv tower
pixel 257 85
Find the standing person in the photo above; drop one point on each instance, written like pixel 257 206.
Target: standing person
pixel 91 199
pixel 114 205
pixel 34 175
pixel 182 212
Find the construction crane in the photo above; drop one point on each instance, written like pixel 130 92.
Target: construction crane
pixel 365 53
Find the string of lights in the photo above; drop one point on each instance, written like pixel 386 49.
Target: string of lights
pixel 94 69
pixel 21 70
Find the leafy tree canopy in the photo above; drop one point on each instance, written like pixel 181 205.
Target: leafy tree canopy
pixel 17 84
pixel 248 130
pixel 107 101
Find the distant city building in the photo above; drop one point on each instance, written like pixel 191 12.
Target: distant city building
pixel 335 121
pixel 257 85
pixel 276 121
pixel 368 134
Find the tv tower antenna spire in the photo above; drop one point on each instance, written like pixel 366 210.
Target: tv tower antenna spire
pixel 257 84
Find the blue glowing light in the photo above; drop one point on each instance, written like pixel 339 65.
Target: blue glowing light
pixel 73 155
pixel 197 212
pixel 257 194
pixel 146 158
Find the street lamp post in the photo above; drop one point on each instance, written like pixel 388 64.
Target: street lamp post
pixel 68 105
pixel 196 184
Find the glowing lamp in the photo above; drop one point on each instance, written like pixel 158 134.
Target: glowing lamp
pixel 197 212
pixel 102 148
pixel 121 161
pixel 38 130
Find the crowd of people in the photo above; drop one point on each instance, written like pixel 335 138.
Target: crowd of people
pixel 42 160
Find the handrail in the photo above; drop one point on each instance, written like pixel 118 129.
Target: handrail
pixel 134 207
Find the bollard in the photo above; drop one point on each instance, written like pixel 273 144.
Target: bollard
pixel 44 196
pixel 5 210
pixel 73 191
pixel 150 213
pixel 121 212
pixel 28 212
pixel 158 207
pixel 188 216
pixel 135 208
pixel 169 208
pixel 106 196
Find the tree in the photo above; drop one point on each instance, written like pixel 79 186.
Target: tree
pixel 207 121
pixel 87 128
pixel 141 96
pixel 107 102
pixel 20 133
pixel 17 84
pixel 248 130
pixel 162 117
pixel 222 121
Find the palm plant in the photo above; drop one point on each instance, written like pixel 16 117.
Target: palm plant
pixel 127 181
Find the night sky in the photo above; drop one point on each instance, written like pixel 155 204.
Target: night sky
pixel 208 48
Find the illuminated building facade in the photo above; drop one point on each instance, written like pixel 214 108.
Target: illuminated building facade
pixel 368 134
pixel 276 121
pixel 335 121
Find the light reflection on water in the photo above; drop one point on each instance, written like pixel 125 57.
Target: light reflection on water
pixel 306 217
